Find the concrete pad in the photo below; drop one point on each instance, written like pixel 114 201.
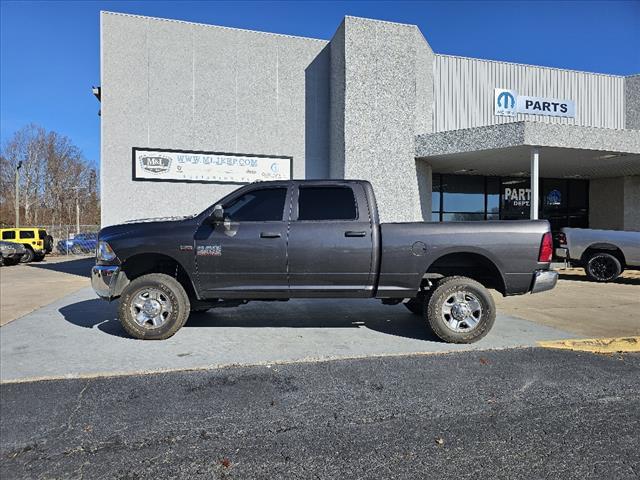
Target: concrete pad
pixel 27 287
pixel 79 335
pixel 596 345
pixel 583 307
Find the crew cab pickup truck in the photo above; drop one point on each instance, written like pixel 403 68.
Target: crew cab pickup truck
pixel 316 239
pixel 604 254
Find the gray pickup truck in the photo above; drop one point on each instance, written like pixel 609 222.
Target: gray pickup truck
pixel 604 254
pixel 316 239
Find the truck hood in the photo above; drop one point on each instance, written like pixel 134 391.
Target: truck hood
pixel 158 219
pixel 144 226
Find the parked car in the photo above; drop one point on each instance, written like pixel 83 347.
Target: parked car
pixel 35 240
pixel 79 244
pixel 317 239
pixel 604 254
pixel 10 252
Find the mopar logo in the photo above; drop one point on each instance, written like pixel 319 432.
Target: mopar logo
pixel 554 198
pixel 506 100
pixel 155 164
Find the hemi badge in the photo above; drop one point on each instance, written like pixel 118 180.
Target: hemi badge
pixel 186 248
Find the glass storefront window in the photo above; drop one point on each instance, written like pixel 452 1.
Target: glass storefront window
pixel 564 202
pixel 515 198
pixel 462 193
pixel 435 193
pixel 493 195
pixel 554 195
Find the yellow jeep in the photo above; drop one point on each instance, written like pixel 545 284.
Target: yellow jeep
pixel 35 240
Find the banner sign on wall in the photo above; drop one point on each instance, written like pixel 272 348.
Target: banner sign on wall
pixel 203 167
pixel 508 103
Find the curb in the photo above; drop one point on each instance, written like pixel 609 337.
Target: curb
pixel 596 345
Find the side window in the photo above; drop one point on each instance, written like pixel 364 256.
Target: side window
pixel 258 206
pixel 27 234
pixel 8 235
pixel 326 203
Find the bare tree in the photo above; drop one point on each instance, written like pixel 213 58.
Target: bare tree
pixel 53 173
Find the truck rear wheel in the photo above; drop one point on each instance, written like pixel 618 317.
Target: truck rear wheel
pixel 602 267
pixel 460 310
pixel 153 307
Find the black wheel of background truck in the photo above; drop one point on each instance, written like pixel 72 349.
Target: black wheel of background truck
pixel 460 310
pixel 153 307
pixel 28 256
pixel 602 267
pixel 77 250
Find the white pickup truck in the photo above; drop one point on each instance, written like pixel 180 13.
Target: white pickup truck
pixel 604 254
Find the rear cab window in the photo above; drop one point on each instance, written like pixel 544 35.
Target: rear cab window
pixel 326 203
pixel 42 234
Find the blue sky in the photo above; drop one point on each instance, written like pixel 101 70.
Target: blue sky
pixel 49 51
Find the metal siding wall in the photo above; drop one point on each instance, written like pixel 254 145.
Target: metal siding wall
pixel 464 93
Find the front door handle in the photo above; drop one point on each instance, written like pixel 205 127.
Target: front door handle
pixel 270 235
pixel 355 234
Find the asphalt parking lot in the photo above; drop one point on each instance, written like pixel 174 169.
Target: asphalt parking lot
pixel 517 413
pixel 78 335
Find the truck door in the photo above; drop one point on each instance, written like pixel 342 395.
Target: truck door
pixel 245 257
pixel 330 243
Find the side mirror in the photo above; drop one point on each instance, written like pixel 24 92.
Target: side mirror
pixel 218 213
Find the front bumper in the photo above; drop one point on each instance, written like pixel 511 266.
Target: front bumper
pixel 108 281
pixel 544 280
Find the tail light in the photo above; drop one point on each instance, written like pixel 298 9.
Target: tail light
pixel 546 249
pixel 562 239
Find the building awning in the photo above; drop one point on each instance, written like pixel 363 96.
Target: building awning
pixel 566 151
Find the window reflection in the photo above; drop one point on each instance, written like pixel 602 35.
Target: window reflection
pixel 564 202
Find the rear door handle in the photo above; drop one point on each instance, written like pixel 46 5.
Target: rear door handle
pixel 355 234
pixel 270 235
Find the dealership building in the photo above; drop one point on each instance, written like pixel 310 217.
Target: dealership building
pixel 191 111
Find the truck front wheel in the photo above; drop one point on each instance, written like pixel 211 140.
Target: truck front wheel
pixel 153 307
pixel 460 310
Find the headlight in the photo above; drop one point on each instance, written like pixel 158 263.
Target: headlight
pixel 104 252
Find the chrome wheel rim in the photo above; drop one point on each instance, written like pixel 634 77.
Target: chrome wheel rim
pixel 151 308
pixel 462 311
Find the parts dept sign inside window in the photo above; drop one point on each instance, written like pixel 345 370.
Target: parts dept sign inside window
pixel 204 167
pixel 508 103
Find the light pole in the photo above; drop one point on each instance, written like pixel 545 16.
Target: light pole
pixel 18 193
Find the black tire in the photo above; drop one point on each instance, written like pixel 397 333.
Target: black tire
pixel 471 293
pixel 602 267
pixel 28 256
pixel 415 305
pixel 48 243
pixel 10 261
pixel 169 290
pixel 38 257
